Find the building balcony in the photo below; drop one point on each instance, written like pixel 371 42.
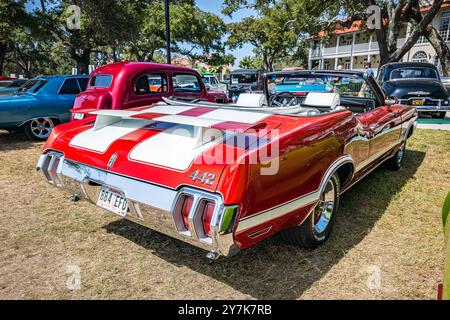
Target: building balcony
pixel 356 49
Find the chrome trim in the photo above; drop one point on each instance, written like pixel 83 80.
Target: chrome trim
pixel 150 205
pixel 438 107
pixel 300 202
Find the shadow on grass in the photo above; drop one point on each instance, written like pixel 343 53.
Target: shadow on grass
pixel 15 141
pixel 273 270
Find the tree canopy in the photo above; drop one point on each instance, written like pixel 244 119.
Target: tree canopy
pixel 51 36
pixel 105 31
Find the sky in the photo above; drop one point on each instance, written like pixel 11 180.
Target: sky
pixel 215 6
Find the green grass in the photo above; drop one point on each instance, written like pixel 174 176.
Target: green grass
pixel 390 221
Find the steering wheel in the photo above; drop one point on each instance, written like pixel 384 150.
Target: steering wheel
pixel 283 99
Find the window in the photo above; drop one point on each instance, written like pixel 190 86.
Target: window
pixel 444 26
pixel 420 56
pixel 414 73
pixel 347 41
pixel 210 80
pixel 150 83
pixel 102 81
pixel 70 86
pixel 186 83
pixel 32 86
pixel 243 78
pixel 422 39
pixel 82 82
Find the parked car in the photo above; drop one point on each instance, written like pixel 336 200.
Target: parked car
pixel 244 81
pixel 446 82
pixel 40 104
pixel 417 84
pixel 212 83
pixel 125 85
pixel 225 177
pixel 10 86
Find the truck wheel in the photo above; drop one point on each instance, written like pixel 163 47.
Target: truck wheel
pixel 396 162
pixel 39 129
pixel 438 115
pixel 316 229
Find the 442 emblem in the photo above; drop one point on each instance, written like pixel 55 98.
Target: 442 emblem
pixel 205 178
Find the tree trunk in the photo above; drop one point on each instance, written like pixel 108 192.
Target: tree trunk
pixel 3 49
pixel 114 54
pixel 85 60
pixel 440 47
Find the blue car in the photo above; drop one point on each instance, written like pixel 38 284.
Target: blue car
pixel 40 104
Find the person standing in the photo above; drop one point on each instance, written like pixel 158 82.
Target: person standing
pixel 369 71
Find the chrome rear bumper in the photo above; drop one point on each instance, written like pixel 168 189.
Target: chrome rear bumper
pixel 150 205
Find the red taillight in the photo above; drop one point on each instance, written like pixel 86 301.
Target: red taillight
pixel 208 212
pixel 187 205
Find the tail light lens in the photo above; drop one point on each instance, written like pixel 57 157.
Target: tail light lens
pixel 186 209
pixel 208 212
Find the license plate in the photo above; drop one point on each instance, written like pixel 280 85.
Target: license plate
pixel 113 201
pixel 78 116
pixel 418 102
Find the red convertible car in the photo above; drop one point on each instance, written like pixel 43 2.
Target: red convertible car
pixel 225 177
pixel 125 85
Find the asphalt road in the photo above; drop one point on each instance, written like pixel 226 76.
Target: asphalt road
pixel 437 124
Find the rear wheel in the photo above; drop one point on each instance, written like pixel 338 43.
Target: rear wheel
pixel 396 162
pixel 39 129
pixel 316 229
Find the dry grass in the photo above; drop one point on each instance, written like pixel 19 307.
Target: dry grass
pixel 389 220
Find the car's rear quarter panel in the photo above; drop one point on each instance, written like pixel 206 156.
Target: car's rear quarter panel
pixel 308 147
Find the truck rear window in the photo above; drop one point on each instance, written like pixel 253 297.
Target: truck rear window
pixel 102 81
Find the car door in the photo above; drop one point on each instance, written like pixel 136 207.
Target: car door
pixel 382 125
pixel 65 98
pixel 146 88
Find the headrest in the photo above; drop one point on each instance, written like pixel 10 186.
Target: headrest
pixel 256 100
pixel 323 99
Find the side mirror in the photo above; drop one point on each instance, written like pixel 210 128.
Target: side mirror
pixel 389 101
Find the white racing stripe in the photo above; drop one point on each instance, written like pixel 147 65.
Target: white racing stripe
pixel 112 125
pixel 191 121
pixel 175 148
pixel 166 109
pixel 100 140
pixel 235 115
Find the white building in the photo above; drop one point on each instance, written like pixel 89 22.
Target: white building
pixel 352 47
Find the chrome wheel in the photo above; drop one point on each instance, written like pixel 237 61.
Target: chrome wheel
pixel 41 127
pixel 324 209
pixel 400 154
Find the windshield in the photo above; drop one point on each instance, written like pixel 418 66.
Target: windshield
pixel 345 85
pixel 32 86
pixel 243 78
pixel 414 73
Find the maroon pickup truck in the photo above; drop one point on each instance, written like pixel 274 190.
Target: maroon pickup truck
pixel 125 85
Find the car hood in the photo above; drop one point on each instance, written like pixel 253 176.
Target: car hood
pixel 166 145
pixel 404 89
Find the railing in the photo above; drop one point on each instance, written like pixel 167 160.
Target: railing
pixel 316 53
